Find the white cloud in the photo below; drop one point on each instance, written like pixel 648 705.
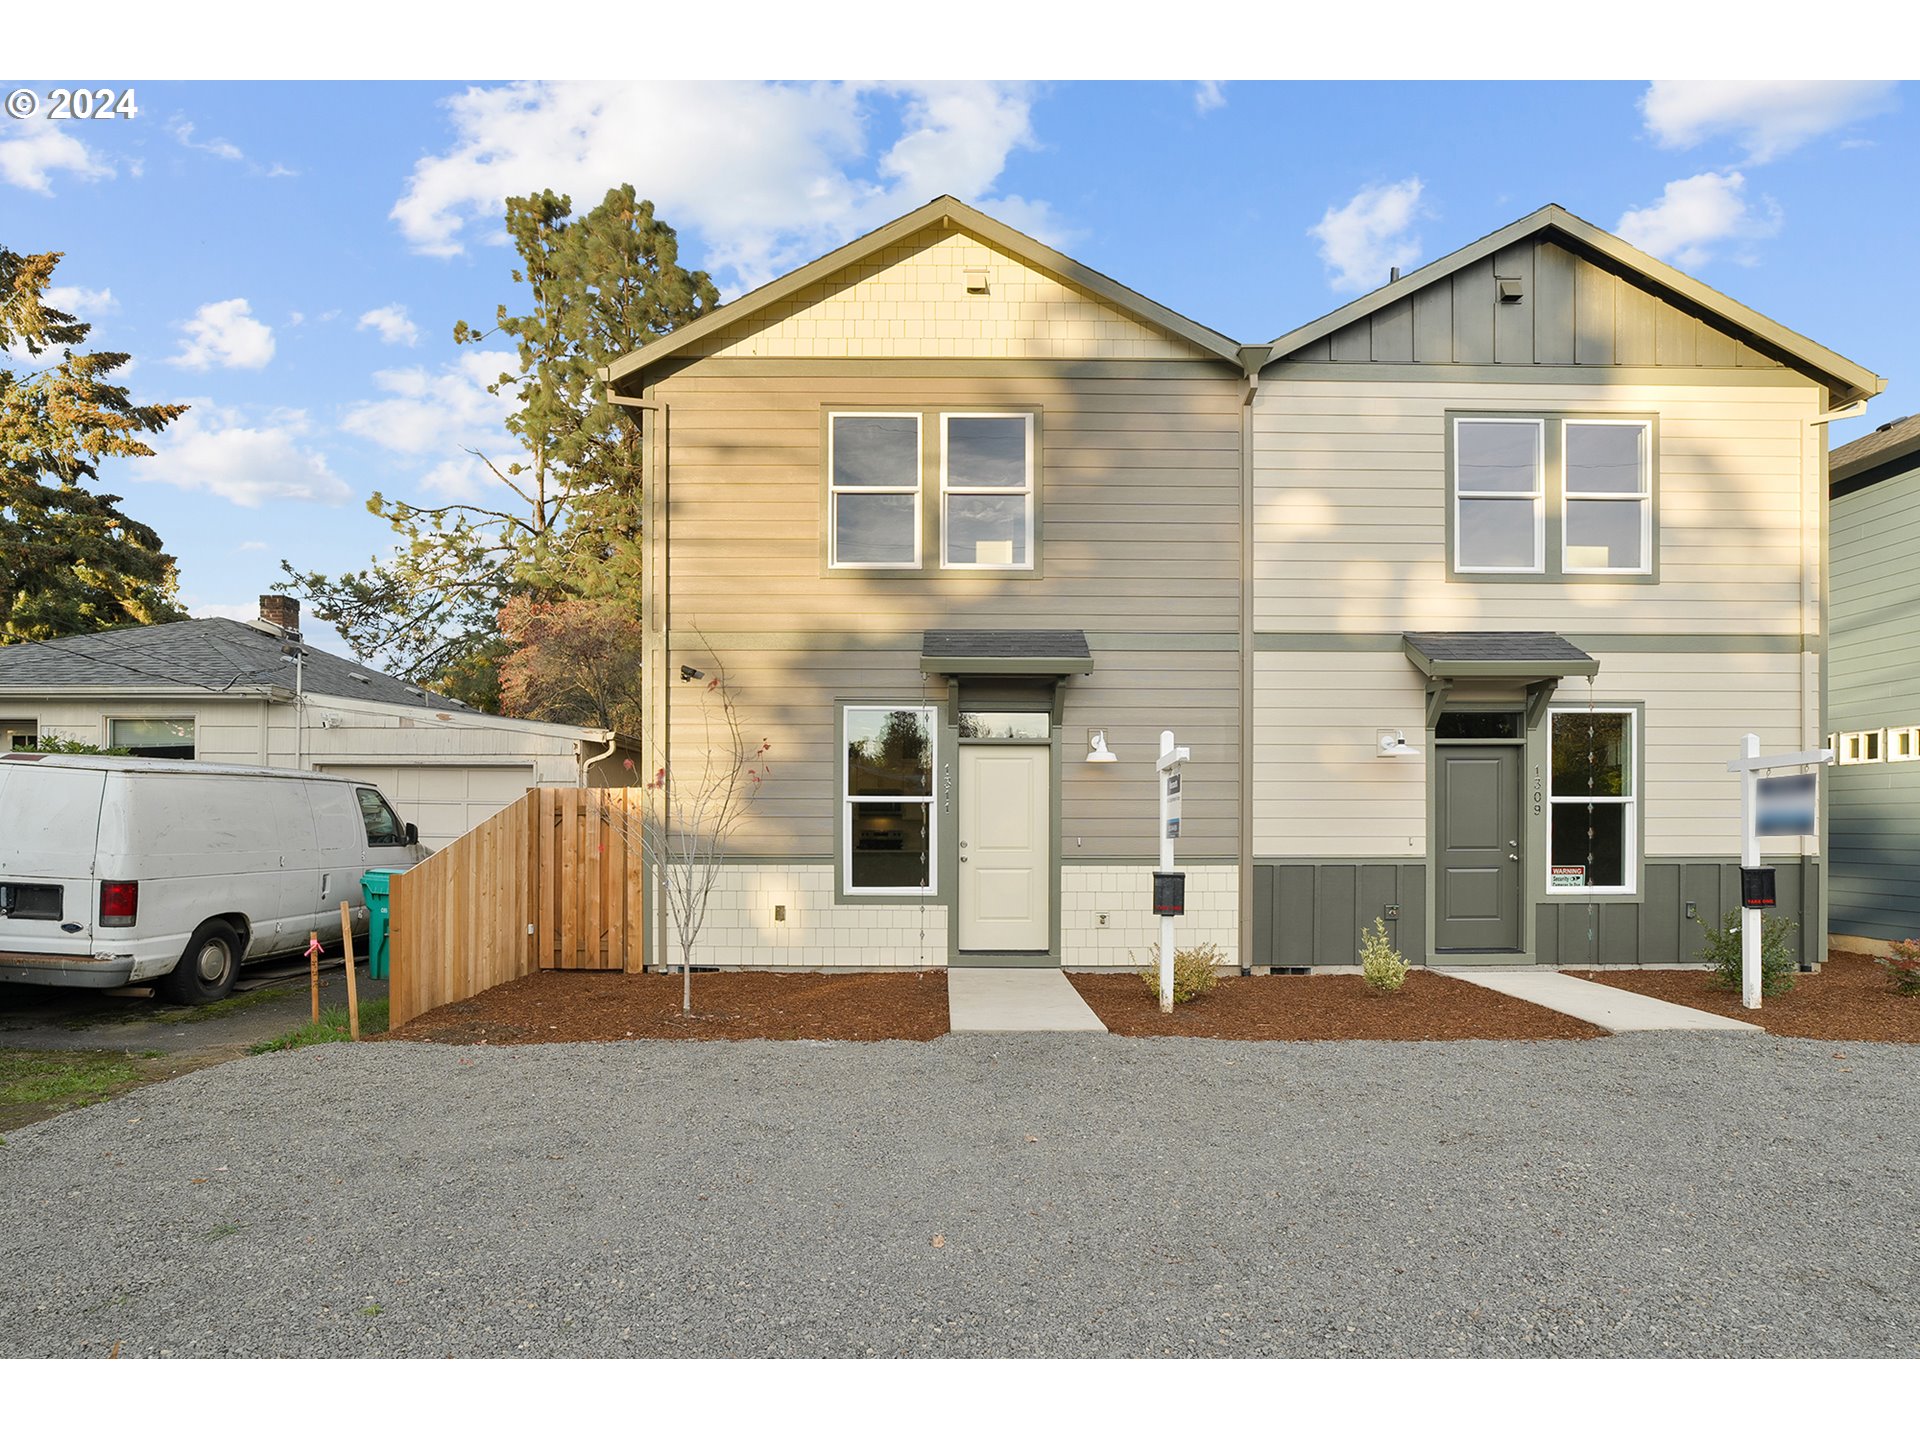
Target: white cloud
pixel 246 545
pixel 1767 117
pixel 217 450
pixel 1363 239
pixel 428 412
pixel 462 479
pixel 769 174
pixel 392 323
pixel 78 300
pixel 225 612
pixel 1209 95
pixel 33 151
pixel 1694 216
pixel 182 130
pixel 225 333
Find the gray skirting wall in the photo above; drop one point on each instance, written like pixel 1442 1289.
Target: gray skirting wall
pixel 1311 913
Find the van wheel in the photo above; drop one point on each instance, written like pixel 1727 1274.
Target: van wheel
pixel 207 970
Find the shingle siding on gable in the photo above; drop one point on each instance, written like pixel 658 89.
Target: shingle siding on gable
pixel 1571 312
pixel 911 300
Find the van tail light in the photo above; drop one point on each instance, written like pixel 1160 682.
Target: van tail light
pixel 119 902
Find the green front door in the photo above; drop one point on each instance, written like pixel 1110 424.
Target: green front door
pixel 1477 823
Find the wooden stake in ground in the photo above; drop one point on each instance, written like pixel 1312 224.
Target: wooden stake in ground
pixel 313 971
pixel 353 994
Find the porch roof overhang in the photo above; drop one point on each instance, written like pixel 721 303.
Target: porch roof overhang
pixel 1005 652
pixel 1496 655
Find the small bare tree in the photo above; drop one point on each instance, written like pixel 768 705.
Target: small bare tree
pixel 692 809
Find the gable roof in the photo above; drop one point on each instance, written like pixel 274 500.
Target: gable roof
pixel 1880 450
pixel 1843 377
pixel 945 211
pixel 214 655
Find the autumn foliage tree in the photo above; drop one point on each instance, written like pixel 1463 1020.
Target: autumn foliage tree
pixel 576 662
pixel 71 561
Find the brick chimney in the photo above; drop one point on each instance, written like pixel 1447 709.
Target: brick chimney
pixel 282 611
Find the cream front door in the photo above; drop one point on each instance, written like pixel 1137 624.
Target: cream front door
pixel 1006 878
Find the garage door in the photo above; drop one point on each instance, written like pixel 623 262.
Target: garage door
pixel 445 801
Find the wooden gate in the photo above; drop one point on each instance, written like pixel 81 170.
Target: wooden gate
pixel 552 882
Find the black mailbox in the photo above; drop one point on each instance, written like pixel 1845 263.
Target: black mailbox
pixel 1169 892
pixel 1756 887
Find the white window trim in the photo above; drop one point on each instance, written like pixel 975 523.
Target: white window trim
pixel 1902 737
pixel 947 489
pixel 1852 749
pixel 107 722
pixel 849 800
pixel 834 492
pixel 1630 830
pixel 1538 495
pixel 1643 498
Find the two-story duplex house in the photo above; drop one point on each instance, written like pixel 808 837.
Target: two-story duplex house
pixel 1461 596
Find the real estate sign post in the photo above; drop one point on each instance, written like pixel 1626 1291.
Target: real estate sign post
pixel 1168 769
pixel 1785 809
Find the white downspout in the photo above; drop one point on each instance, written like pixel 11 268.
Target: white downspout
pixel 586 765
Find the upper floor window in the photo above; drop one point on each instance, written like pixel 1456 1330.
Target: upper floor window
pixel 986 492
pixel 1554 496
pixel 873 485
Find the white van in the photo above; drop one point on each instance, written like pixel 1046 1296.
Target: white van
pixel 115 871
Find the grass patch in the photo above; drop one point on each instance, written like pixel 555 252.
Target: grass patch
pixel 332 1027
pixel 63 1078
pixel 232 1005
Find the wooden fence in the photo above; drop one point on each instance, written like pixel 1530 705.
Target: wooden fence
pixel 552 882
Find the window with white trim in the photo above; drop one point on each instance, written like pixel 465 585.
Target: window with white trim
pixel 873 489
pixel 986 492
pixel 1860 747
pixel 1903 743
pixel 1499 495
pixel 886 789
pixel 153 739
pixel 1607 528
pixel 1592 797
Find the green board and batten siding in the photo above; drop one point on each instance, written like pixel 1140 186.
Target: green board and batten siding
pixel 1874 609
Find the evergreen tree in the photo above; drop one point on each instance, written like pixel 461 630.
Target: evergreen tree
pixel 70 560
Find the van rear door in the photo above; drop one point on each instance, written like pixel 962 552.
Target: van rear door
pixel 49 829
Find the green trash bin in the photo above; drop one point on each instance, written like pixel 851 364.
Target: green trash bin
pixel 374 886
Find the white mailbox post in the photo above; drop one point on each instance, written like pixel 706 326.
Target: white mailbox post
pixel 1171 757
pixel 1749 765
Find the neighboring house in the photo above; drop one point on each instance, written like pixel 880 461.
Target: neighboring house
pixel 947 504
pixel 1873 688
pixel 250 693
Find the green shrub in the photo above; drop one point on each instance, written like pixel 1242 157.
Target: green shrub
pixel 1902 966
pixel 1778 962
pixel 1381 966
pixel 1192 972
pixel 55 745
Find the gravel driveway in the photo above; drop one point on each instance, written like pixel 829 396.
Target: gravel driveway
pixel 1030 1195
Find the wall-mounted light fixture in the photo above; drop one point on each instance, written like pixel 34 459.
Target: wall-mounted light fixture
pixel 687 672
pixel 1394 742
pixel 1097 752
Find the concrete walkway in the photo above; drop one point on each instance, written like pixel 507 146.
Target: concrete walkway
pixel 1016 1000
pixel 1604 1005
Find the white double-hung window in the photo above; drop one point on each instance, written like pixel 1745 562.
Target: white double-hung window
pixel 1608 527
pixel 1499 496
pixel 986 492
pixel 873 489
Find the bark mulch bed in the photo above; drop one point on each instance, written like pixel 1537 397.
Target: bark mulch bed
pixel 560 1005
pixel 1328 1007
pixel 1849 999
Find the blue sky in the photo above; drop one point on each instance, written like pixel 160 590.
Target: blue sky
pixel 290 258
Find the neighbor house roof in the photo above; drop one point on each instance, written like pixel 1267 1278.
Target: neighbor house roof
pixel 944 211
pixel 1847 381
pixel 1005 652
pixel 1875 455
pixel 214 655
pixel 1496 654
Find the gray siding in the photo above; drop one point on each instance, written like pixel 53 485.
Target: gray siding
pixel 1312 912
pixel 1874 810
pixel 1572 312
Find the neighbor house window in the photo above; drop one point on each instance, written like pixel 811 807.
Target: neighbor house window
pixel 986 492
pixel 19 734
pixel 1904 743
pixel 1608 523
pixel 873 489
pixel 1591 827
pixel 1500 497
pixel 1861 747
pixel 887 844
pixel 154 739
